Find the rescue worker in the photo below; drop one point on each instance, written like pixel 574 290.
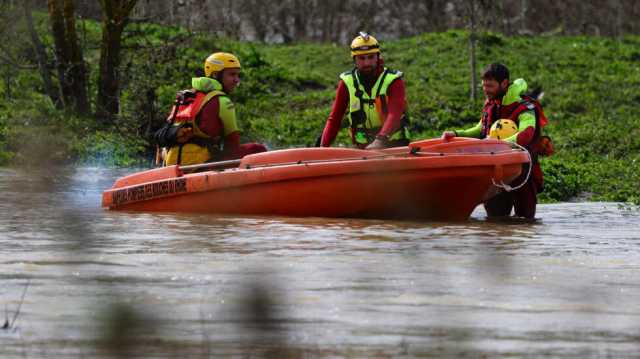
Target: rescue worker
pixel 373 98
pixel 506 100
pixel 202 126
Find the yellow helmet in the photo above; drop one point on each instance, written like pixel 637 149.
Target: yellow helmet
pixel 503 129
pixel 220 61
pixel 364 44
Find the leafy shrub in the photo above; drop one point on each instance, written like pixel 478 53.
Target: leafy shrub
pixel 111 149
pixel 562 180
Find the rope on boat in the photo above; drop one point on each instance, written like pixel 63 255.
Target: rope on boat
pixel 509 188
pixel 304 162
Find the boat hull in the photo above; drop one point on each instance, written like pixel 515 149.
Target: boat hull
pixel 392 184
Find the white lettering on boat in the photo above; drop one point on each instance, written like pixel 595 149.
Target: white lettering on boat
pixel 149 191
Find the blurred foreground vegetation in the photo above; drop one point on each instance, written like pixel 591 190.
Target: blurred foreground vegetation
pixel 590 89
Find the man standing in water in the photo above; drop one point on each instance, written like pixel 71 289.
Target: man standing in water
pixel 374 97
pixel 506 100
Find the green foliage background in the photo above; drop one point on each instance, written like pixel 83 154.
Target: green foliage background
pixel 590 96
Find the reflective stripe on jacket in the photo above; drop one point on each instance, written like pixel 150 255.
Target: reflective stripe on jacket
pixel 367 112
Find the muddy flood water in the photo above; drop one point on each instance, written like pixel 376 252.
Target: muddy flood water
pixel 77 281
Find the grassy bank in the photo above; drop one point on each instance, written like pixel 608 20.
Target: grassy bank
pixel 590 87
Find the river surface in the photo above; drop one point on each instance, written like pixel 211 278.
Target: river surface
pixel 78 281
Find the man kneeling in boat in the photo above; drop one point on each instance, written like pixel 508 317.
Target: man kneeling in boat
pixel 506 100
pixel 374 97
pixel 202 126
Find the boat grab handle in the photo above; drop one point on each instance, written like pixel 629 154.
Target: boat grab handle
pixel 507 187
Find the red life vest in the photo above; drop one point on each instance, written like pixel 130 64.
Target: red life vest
pixel 201 147
pixel 190 103
pixel 493 111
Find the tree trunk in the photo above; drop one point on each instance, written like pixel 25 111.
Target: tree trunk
pixel 472 49
pixel 69 59
pixel 299 22
pixel 107 103
pixel 506 24
pixel 77 68
pixel 61 50
pixel 41 56
pixel 618 31
pixel 524 7
pixel 115 16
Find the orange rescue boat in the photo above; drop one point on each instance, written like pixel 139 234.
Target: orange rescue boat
pixel 429 179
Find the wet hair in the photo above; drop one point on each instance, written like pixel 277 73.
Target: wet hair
pixel 496 71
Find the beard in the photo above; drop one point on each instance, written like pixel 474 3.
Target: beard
pixel 498 94
pixel 367 71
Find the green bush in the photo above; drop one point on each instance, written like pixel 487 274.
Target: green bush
pixel 562 180
pixel 111 149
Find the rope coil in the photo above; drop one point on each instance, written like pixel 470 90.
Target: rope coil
pixel 509 188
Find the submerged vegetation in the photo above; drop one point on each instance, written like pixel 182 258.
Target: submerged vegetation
pixel 589 83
